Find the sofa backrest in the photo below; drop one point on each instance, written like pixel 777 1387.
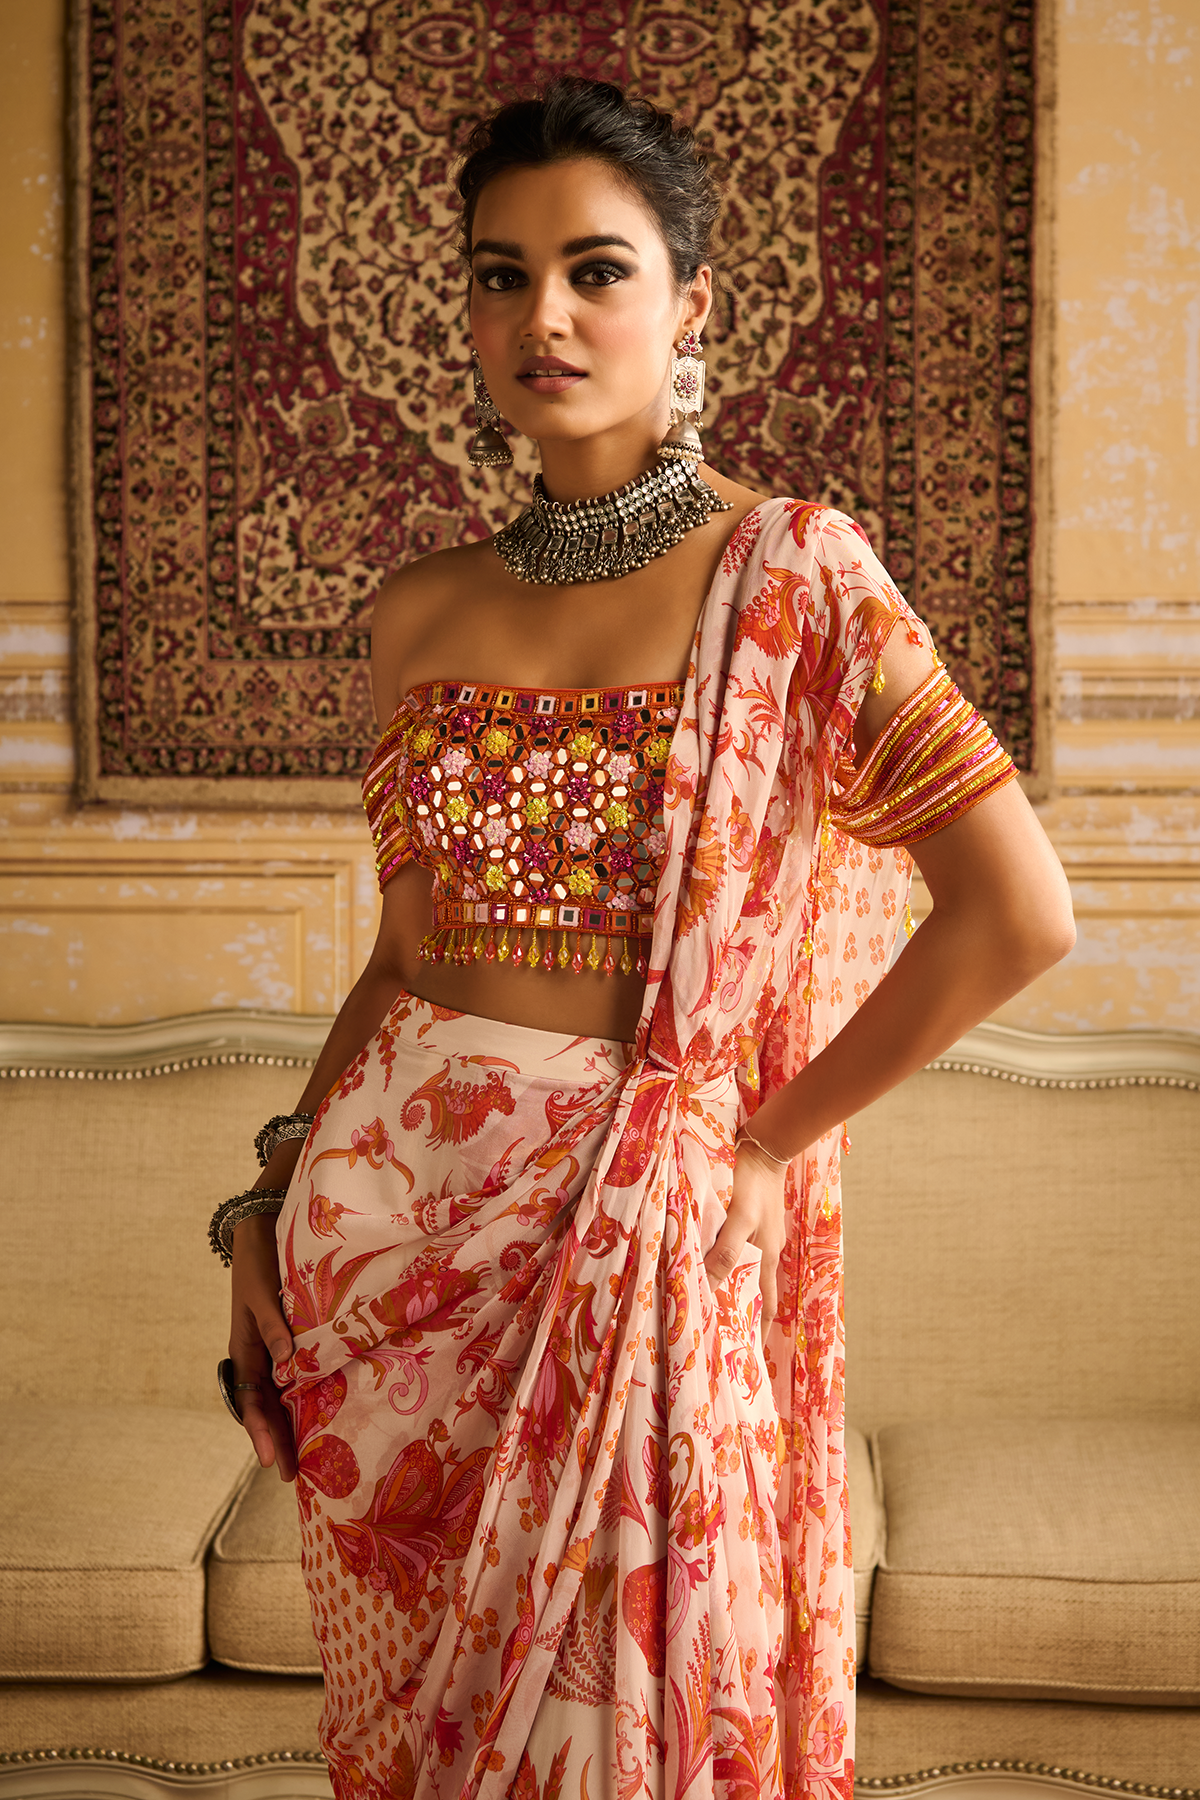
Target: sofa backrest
pixel 109 1292
pixel 1010 1251
pixel 1016 1251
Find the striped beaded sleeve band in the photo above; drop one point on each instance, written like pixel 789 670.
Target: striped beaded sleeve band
pixel 379 796
pixel 933 761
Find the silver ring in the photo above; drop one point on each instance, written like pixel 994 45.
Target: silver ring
pixel 227 1387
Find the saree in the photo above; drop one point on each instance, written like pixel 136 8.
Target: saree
pixel 573 1524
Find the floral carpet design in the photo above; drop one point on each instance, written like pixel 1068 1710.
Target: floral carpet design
pixel 273 393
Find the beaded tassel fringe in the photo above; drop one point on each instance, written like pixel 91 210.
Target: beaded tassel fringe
pixel 464 944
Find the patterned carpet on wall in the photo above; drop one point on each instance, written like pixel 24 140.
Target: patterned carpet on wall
pixel 272 370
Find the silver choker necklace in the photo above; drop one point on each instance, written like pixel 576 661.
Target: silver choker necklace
pixel 611 535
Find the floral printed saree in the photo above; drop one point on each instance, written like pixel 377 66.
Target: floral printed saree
pixel 573 1525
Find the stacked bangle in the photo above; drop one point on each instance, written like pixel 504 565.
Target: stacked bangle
pixel 230 1214
pixel 278 1130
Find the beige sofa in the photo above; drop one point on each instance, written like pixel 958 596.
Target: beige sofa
pixel 1023 1378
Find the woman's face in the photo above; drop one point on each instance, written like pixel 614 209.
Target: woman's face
pixel 574 307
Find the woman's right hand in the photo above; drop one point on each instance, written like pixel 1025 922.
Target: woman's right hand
pixel 259 1334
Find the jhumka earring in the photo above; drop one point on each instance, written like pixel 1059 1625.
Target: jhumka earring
pixel 488 448
pixel 687 402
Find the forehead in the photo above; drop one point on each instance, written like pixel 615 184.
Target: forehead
pixel 547 205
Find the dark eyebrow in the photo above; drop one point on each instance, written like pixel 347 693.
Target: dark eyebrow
pixel 495 247
pixel 576 247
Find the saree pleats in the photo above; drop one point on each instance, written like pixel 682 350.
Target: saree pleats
pixel 572 1527
pixel 505 1424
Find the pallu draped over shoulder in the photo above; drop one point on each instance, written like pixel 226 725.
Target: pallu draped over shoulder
pixel 573 1525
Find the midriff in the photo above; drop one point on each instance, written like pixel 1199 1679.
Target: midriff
pixel 589 1004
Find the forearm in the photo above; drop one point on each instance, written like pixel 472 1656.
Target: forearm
pixel 946 979
pixel 362 1013
pixel 1001 915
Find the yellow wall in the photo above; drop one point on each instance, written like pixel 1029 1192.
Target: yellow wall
pixel 111 916
pixel 1124 513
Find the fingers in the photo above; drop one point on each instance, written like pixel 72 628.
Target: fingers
pixel 768 1285
pixel 755 1216
pixel 259 1337
pixel 731 1240
pixel 256 1282
pixel 270 1430
pixel 273 1327
pixel 263 1413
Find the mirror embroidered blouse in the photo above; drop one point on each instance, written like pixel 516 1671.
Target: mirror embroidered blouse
pixel 539 811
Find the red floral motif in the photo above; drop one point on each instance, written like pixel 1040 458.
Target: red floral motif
pixel 422 1513
pixel 644 1610
pixel 324 1461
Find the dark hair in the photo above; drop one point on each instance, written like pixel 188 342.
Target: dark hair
pixel 572 117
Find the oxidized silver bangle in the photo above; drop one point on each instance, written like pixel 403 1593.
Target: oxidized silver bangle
pixel 230 1214
pixel 780 1161
pixel 278 1131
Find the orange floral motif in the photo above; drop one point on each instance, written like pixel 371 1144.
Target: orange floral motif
pixel 705 878
pixel 572 1523
pixel 323 1216
pixel 457 1109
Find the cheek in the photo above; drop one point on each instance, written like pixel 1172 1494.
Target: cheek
pixel 625 337
pixel 487 334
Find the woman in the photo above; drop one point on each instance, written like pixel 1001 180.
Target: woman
pixel 573 1514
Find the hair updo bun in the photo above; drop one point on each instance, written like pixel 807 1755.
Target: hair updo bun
pixel 572 117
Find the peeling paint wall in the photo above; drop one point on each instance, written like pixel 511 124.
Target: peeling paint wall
pixel 110 916
pixel 1121 180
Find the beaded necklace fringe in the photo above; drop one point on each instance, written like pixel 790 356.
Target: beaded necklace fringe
pixel 601 539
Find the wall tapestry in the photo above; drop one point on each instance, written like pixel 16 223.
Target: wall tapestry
pixel 271 380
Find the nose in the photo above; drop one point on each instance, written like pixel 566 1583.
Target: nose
pixel 547 316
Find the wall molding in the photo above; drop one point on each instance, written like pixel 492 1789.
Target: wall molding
pixel 1096 1059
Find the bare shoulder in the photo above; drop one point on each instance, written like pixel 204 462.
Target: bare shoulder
pixel 742 499
pixel 409 606
pixel 412 591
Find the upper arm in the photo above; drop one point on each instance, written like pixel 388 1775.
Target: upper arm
pixel 393 621
pixel 410 612
pixel 905 661
pixel 996 862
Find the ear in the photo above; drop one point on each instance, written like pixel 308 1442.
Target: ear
pixel 697 303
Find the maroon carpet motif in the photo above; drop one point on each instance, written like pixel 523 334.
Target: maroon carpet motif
pixel 273 374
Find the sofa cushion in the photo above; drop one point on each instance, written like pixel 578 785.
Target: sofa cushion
pixel 1052 1559
pixel 866 1530
pixel 108 1515
pixel 258 1613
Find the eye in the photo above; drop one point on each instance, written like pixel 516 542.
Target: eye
pixel 600 274
pixel 500 280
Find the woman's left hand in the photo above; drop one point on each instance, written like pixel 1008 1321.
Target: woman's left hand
pixel 755 1216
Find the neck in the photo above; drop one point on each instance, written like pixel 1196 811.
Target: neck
pixel 581 469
